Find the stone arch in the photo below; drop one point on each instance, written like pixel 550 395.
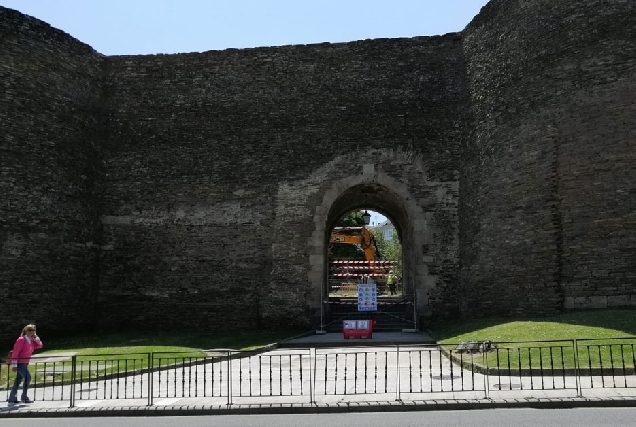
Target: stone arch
pixel 384 194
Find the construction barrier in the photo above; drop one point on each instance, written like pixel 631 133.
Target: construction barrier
pixel 357 329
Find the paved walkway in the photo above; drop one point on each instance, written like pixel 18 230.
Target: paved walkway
pixel 377 339
pixel 331 391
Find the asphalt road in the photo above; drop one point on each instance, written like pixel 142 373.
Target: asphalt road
pixel 491 418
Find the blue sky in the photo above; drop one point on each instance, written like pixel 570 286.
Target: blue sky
pixel 118 27
pixel 129 27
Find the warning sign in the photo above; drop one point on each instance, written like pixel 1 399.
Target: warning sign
pixel 367 297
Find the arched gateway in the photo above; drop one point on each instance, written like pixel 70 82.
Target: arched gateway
pixel 390 181
pixel 373 188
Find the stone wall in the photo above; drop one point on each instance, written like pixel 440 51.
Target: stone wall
pixel 178 191
pixel 49 166
pixel 548 182
pixel 216 163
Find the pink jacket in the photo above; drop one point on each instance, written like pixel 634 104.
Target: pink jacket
pixel 23 349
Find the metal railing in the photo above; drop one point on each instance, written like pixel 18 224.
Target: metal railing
pixel 606 363
pixel 308 375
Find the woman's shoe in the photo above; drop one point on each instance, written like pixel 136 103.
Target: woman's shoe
pixel 27 400
pixel 12 401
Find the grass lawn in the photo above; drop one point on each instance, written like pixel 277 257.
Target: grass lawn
pixel 99 354
pixel 602 339
pixel 152 342
pixel 574 325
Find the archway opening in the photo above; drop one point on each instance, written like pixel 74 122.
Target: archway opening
pixel 356 267
pixel 364 247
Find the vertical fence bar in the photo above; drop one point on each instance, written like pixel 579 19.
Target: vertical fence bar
pixel 229 378
pixel 541 367
pixel 600 361
pixel 346 359
pixel 271 376
pixel 151 379
pixel 419 362
pixel 633 360
pixel 472 371
pixel 486 376
pixel 509 370
pixel 366 369
pixel 430 367
pixel 280 375
pixel 240 377
pixel 398 396
pixel 73 379
pixel 335 376
pixel 589 364
pixel 205 375
pixel 312 374
pixel 291 378
pixel 375 377
pixel 249 367
pixel 325 373
pixel 563 365
pixel 577 369
pixel 552 368
pixel 519 367
pixel 612 365
pixel 498 369
pixel 386 371
pixel 355 373
pixel 452 380
pixel 623 365
pixel 530 368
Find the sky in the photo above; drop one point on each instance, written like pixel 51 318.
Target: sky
pixel 129 27
pixel 137 27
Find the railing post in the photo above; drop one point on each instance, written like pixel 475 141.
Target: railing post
pixel 229 378
pixel 312 374
pixel 151 377
pixel 398 396
pixel 577 370
pixel 486 375
pixel 73 379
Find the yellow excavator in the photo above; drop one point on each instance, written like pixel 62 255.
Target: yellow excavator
pixel 363 237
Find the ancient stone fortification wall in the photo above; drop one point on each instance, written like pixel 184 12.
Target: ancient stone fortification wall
pixel 49 161
pixel 216 163
pixel 198 189
pixel 548 180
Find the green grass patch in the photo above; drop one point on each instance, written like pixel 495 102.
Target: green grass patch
pixel 575 325
pixel 151 342
pixel 602 339
pixel 104 354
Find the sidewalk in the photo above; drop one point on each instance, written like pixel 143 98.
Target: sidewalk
pixel 204 407
pixel 499 393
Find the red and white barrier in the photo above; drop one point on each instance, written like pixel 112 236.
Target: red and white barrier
pixel 358 274
pixel 379 262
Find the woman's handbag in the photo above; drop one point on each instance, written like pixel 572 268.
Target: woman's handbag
pixel 9 357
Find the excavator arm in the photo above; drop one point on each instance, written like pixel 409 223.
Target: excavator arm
pixel 365 240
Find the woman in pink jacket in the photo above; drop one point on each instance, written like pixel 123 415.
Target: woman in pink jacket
pixel 22 351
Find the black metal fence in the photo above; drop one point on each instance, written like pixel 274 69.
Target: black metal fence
pixel 309 375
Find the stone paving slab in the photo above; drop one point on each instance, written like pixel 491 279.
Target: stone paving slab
pixel 377 339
